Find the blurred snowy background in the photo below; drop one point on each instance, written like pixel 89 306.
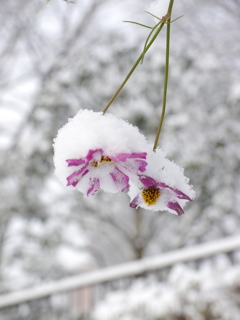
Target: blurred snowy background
pixel 60 57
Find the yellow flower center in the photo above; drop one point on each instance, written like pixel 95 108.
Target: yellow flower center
pixel 103 160
pixel 151 195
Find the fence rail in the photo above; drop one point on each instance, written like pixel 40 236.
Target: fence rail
pixel 121 271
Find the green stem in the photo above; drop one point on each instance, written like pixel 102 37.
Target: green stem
pixel 165 76
pixel 149 37
pixel 139 24
pixel 134 66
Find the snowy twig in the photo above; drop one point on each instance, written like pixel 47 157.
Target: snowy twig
pixel 122 271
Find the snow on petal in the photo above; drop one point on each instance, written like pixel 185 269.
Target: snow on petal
pixel 99 150
pixel 132 167
pixel 168 174
pixel 179 193
pixel 142 165
pixel 76 176
pixel 163 186
pixel 94 154
pixel 124 156
pixel 131 163
pixel 120 179
pixel 94 186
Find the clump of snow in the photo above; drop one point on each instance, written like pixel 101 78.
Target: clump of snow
pixel 94 150
pixel 93 130
pixel 162 169
pixel 159 9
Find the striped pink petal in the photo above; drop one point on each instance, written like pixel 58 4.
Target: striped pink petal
pixel 147 181
pixel 120 179
pixel 124 156
pixel 76 176
pixel 75 162
pixel 176 207
pixel 180 194
pixel 94 186
pixel 142 165
pixel 90 154
pixel 134 203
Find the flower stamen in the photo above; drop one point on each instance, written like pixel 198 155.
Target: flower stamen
pixel 103 160
pixel 151 195
pixel 95 163
pixel 106 159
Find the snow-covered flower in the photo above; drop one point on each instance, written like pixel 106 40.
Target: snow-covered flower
pixel 109 169
pixel 158 195
pixel 162 187
pixel 159 8
pixel 94 151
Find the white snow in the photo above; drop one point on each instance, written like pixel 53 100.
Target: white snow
pixel 185 293
pixel 159 9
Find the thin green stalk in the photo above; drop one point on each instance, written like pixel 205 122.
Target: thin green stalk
pixel 149 37
pixel 165 76
pixel 134 66
pixel 139 24
pixel 153 15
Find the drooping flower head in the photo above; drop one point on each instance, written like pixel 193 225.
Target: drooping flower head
pixel 94 151
pixel 163 186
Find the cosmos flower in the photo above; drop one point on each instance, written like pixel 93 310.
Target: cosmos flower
pixel 94 151
pixel 158 195
pixel 162 187
pixel 108 171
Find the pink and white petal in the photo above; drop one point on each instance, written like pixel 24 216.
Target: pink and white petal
pixel 176 207
pixel 124 156
pixel 179 193
pixel 162 185
pixel 94 154
pixel 75 162
pixel 133 166
pixel 142 165
pixel 147 181
pixel 139 155
pixel 94 186
pixel 76 176
pixel 120 179
pixel 135 202
pixel 107 183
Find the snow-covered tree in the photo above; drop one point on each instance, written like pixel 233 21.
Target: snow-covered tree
pixel 187 294
pixel 51 70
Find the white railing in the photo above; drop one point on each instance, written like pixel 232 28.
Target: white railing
pixel 121 271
